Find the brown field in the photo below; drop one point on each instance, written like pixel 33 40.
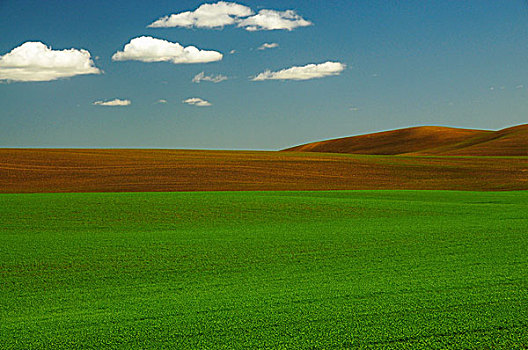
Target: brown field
pixel 99 170
pixel 429 140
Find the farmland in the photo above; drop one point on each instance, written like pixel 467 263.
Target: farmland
pixel 340 269
pixel 148 170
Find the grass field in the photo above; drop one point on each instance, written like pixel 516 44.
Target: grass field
pixel 314 270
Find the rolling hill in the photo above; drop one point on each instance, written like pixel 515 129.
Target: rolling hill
pixel 429 140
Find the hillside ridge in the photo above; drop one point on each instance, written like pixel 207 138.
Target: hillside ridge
pixel 428 140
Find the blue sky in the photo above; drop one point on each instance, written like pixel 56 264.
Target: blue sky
pixel 453 63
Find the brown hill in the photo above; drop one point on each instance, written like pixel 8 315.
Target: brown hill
pixel 429 140
pixel 506 142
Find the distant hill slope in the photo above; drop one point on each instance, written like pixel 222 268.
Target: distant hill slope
pixel 429 140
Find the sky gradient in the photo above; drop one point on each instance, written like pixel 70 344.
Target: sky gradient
pixel 403 63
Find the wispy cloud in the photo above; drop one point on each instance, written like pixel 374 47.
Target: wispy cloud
pixel 113 103
pixel 273 20
pixel 161 101
pixel 266 46
pixel 212 78
pixel 148 49
pixel 222 13
pixel 34 61
pixel 196 101
pixel 310 71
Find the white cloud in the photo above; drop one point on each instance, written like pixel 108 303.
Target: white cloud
pixel 520 86
pixel 196 101
pixel 232 52
pixel 310 71
pixel 354 109
pixel 268 46
pixel 34 61
pixel 224 13
pixel 215 15
pixel 212 78
pixel 161 100
pixel 272 20
pixel 113 103
pixel 148 49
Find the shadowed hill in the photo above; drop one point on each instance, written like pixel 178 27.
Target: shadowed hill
pixel 429 140
pixel 506 142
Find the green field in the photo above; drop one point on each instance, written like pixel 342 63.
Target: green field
pixel 313 270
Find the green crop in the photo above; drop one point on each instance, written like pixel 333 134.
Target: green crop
pixel 313 270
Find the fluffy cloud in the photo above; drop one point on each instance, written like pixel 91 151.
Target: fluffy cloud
pixel 272 20
pixel 34 61
pixel 196 101
pixel 266 46
pixel 212 78
pixel 223 13
pixel 148 49
pixel 215 15
pixel 310 71
pixel 113 103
